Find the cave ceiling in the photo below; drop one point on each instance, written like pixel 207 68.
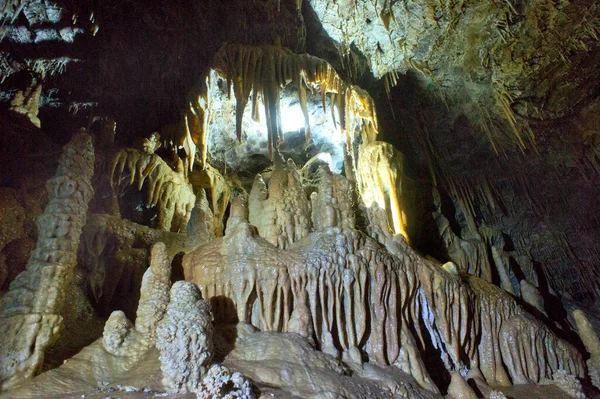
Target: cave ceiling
pixel 495 103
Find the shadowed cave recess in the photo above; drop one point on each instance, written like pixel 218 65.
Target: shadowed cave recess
pixel 299 199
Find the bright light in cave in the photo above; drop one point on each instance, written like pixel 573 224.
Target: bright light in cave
pixel 224 147
pixel 292 118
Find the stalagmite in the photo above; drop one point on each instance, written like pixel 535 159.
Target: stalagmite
pixel 202 221
pixel 532 295
pixel 505 282
pixel 154 293
pixel 332 203
pixel 220 383
pixel 167 189
pixel 278 206
pixel 459 389
pixel 213 182
pixel 592 345
pixel 364 302
pixel 121 338
pixel 184 339
pixel 30 312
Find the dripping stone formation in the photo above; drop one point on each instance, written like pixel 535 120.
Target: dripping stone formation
pixel 271 240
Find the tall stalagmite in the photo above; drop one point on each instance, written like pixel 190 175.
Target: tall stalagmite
pixel 31 311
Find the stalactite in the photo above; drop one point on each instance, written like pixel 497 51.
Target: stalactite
pixel 167 189
pixel 263 71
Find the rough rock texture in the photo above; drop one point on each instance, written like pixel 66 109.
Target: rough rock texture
pixel 282 360
pixel 121 338
pixel 202 221
pixel 531 294
pixel 219 191
pixel 30 312
pixel 114 359
pixel 523 338
pixel 486 47
pixel 167 188
pixel 220 383
pixel 27 102
pixel 468 253
pixel 332 204
pixel 184 339
pixel 114 256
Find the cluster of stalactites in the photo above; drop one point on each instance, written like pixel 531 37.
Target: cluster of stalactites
pixel 261 72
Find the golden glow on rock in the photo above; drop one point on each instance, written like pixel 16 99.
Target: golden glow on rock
pixel 379 178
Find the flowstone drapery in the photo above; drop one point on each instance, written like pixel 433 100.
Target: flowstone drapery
pixel 368 304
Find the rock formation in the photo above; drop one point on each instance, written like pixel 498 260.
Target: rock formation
pixel 380 183
pixel 220 383
pixel 167 189
pixel 279 209
pixel 30 312
pixel 184 339
pixel 459 389
pixel 296 275
pixel 592 344
pixel 346 286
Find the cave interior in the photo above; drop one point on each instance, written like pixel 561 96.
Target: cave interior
pixel 345 199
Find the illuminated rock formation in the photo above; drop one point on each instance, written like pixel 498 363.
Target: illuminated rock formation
pixel 262 355
pixel 380 183
pixel 217 187
pixel 332 204
pixel 184 339
pixel 121 338
pixel 345 286
pixel 459 389
pixel 310 277
pixel 30 312
pixel 167 189
pixel 114 255
pixel 154 294
pixel 278 206
pixel 27 102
